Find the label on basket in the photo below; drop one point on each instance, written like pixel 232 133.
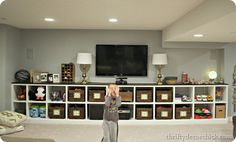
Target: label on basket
pixel 164 114
pixel 183 113
pixel 76 113
pixel 144 96
pixel 164 96
pixel 77 95
pixel 144 113
pixel 56 112
pixel 96 95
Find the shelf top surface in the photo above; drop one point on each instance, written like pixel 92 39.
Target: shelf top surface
pixel 103 83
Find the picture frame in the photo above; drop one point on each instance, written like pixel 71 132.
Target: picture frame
pixel 50 78
pixel 43 77
pixel 56 78
pixel 36 77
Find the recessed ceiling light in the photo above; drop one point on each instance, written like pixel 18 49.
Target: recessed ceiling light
pixel 198 35
pixel 1 1
pixel 113 20
pixel 234 1
pixel 49 19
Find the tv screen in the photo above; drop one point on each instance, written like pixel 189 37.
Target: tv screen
pixel 121 60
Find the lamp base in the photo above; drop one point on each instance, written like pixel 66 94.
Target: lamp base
pixel 84 81
pixel 211 81
pixel 84 68
pixel 159 81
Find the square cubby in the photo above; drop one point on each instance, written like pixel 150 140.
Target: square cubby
pixel 203 111
pixel 57 93
pixel 125 112
pixel 76 94
pixel 183 94
pixel 164 94
pixel 204 94
pixel 164 111
pixel 144 112
pixel 76 111
pixel 183 111
pixel 144 94
pixel 37 93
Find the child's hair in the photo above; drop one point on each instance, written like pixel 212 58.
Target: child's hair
pixel 111 84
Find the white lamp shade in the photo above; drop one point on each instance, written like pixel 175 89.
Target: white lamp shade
pixel 84 58
pixel 159 59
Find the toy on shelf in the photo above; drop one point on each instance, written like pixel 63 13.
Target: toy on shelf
pixel 21 93
pixel 34 111
pixel 203 98
pixel 40 95
pixel 209 98
pixel 57 96
pixel 219 94
pixel 202 113
pixel 42 111
pixel 185 98
pixel 37 111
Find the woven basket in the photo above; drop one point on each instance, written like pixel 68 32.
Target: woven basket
pixel 144 113
pixel 164 96
pixel 164 112
pixel 76 112
pixel 96 95
pixel 76 95
pixel 144 96
pixel 56 112
pixel 126 96
pixel 183 113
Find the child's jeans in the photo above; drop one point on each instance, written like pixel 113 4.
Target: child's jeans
pixel 110 131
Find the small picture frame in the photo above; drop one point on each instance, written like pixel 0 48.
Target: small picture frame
pixel 56 78
pixel 36 77
pixel 50 78
pixel 43 77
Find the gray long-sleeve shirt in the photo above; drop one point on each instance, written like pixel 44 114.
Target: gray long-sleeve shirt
pixel 111 108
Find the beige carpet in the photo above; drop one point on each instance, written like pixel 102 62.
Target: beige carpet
pixel 132 133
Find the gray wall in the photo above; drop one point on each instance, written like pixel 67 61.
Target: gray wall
pixel 49 48
pixel 10 55
pixel 230 62
pixel 2 67
pixel 45 50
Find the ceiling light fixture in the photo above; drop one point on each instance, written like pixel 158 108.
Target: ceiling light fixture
pixel 49 19
pixel 1 1
pixel 198 35
pixel 234 1
pixel 113 20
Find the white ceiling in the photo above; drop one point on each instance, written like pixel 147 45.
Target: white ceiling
pixel 178 19
pixel 94 14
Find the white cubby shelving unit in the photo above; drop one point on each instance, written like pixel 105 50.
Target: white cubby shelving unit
pixel 217 98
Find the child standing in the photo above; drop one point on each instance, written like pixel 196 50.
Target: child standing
pixel 110 115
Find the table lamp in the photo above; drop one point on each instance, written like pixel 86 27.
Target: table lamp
pixel 84 60
pixel 212 76
pixel 159 60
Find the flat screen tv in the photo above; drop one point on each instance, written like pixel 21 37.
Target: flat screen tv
pixel 121 60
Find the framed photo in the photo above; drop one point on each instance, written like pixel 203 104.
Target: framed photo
pixel 56 78
pixel 44 77
pixel 50 78
pixel 36 77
